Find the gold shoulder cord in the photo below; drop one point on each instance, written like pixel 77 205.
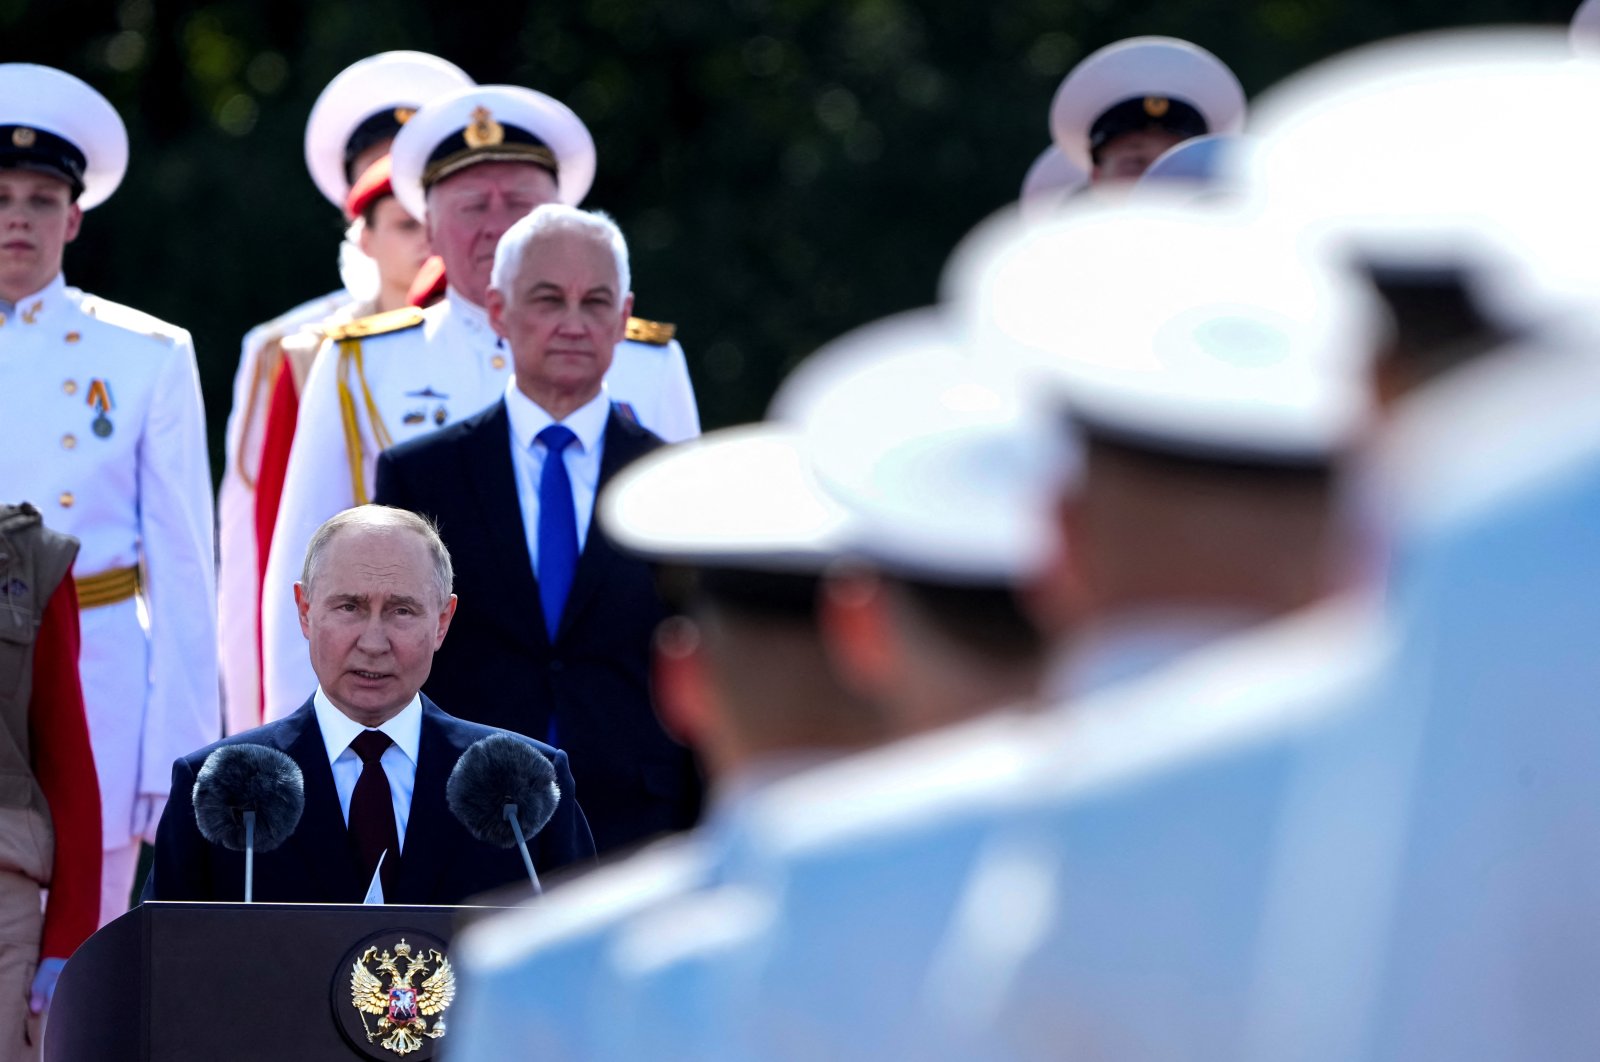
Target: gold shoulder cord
pixel 266 364
pixel 349 351
pixel 350 355
pixel 380 431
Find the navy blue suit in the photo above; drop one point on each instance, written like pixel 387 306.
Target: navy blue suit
pixel 499 666
pixel 441 863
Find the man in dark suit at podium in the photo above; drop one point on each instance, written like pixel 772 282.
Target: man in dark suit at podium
pixel 554 631
pixel 375 602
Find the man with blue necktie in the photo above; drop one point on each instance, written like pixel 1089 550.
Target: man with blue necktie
pixel 513 490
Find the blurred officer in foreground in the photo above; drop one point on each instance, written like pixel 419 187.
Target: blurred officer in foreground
pixel 349 130
pixel 1052 180
pixel 1211 391
pixel 748 676
pixel 1121 107
pixel 1207 504
pixel 473 163
pixel 50 814
pixel 107 435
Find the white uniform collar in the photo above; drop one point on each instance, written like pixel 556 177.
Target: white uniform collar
pixel 31 309
pixel 469 313
pixel 528 418
pixel 338 729
pixel 1141 642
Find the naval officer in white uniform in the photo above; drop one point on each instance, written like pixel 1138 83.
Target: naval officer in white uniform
pixel 106 434
pixel 1119 109
pixel 350 127
pixel 473 163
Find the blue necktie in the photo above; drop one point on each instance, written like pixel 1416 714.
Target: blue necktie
pixel 558 527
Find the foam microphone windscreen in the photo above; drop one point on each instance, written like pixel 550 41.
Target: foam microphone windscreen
pixel 240 778
pixel 496 771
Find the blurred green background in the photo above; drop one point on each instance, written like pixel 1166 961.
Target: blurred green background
pixel 784 169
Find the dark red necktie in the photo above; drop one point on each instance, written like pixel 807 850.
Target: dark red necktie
pixel 372 829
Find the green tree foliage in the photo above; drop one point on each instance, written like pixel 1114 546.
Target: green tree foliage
pixel 785 169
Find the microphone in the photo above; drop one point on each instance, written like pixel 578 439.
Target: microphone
pixel 248 798
pixel 503 790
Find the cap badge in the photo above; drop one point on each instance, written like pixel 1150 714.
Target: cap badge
pixel 23 137
pixel 1156 106
pixel 484 130
pixel 402 115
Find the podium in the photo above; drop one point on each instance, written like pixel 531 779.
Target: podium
pixel 184 981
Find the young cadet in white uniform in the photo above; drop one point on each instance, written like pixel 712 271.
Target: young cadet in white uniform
pixel 106 434
pixel 1120 108
pixel 472 163
pixel 351 124
pixel 831 477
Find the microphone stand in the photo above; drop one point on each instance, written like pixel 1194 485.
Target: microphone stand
pixel 249 856
pixel 510 811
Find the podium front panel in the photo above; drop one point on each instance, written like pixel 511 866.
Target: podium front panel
pixel 248 982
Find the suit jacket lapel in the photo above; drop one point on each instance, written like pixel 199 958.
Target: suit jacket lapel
pixel 487 455
pixel 321 839
pixel 423 857
pixel 624 441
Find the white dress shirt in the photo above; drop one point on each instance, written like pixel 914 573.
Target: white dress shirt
pixel 588 424
pixel 399 761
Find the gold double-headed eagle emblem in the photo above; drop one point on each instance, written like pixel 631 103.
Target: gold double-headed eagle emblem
pixel 407 1013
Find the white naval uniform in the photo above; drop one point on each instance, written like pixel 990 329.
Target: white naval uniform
pixel 237 575
pixel 140 495
pixel 421 378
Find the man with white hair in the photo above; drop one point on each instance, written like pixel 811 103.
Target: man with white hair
pixel 514 490
pixel 471 163
pixel 376 756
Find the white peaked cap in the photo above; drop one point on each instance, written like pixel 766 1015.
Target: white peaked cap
pixel 945 464
pixel 888 446
pixel 1381 153
pixel 742 497
pixel 389 81
pixel 505 112
pixel 43 99
pixel 1050 181
pixel 1189 331
pixel 1163 67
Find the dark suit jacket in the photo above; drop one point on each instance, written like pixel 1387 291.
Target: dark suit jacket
pixel 441 863
pixel 498 665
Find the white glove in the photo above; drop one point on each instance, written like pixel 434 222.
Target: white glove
pixel 147 809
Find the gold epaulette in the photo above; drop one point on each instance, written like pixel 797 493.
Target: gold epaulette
pixel 656 333
pixel 378 324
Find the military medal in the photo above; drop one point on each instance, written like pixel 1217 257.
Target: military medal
pixel 100 401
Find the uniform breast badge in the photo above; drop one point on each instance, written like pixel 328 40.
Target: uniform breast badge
pixel 399 1014
pixel 100 401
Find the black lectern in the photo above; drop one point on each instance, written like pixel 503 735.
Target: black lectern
pixel 186 981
